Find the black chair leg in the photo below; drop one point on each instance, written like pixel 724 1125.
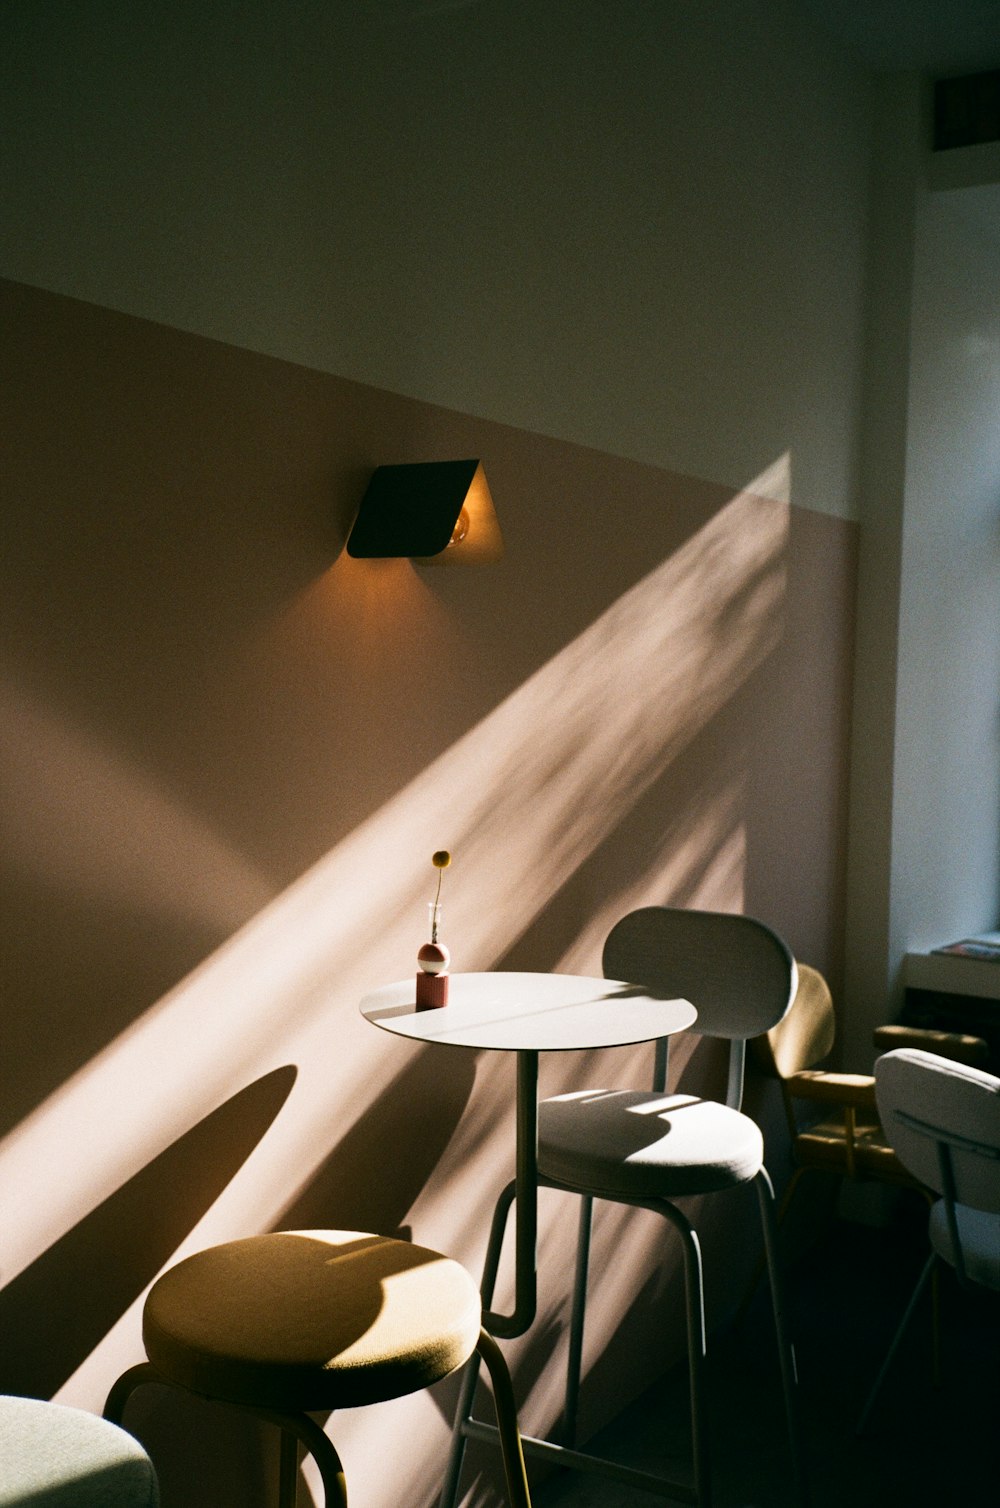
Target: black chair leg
pixel 467 1391
pixel 697 1341
pixel 574 1361
pixel 786 1354
pixel 929 1267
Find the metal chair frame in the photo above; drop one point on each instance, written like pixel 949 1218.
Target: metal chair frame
pixel 945 1141
pixel 565 1454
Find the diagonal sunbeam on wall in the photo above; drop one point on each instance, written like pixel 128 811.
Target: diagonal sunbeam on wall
pixel 522 799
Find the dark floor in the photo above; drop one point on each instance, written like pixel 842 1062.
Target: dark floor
pixel 923 1446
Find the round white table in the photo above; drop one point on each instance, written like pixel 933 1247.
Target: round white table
pixel 528 1014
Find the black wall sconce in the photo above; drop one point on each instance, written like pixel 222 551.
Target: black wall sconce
pixel 434 512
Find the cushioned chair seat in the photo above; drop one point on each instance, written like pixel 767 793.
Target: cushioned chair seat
pixel 646 1145
pixel 651 1148
pixel 311 1320
pixel 57 1457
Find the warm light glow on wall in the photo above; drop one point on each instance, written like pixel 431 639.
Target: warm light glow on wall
pixel 522 801
pixel 477 530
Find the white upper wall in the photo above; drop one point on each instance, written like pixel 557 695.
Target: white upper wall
pixel 639 226
pixel 924 846
pixel 946 816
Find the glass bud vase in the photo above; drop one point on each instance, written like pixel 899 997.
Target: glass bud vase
pixel 433 960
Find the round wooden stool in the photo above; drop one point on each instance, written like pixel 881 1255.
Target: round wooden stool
pixel 300 1322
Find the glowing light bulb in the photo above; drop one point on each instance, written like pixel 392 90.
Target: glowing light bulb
pixel 460 530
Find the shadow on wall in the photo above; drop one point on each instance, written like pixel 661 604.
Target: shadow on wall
pixel 157 744
pixel 683 843
pixel 364 1185
pixel 545 781
pixel 372 1177
pixel 118 1248
pixel 205 754
pixel 71 990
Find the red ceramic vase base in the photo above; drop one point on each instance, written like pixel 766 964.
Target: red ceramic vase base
pixel 432 991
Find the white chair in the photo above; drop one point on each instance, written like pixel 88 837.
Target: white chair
pixel 943 1120
pixel 649 1149
pixel 52 1456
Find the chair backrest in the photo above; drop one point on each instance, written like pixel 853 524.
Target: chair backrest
pixel 942 1120
pixel 804 1036
pixel 736 972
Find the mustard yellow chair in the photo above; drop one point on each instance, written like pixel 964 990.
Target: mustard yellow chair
pixel 295 1323
pixel 833 1120
pixel 847 1138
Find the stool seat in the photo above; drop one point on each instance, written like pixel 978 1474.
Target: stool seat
pixel 311 1320
pixel 57 1457
pixel 297 1323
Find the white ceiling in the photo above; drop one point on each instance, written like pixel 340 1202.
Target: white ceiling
pixel 937 37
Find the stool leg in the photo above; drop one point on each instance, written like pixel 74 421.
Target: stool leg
pixel 574 1361
pixel 694 1293
pixel 506 1409
pixel 319 1445
pixel 463 1411
pixel 292 1426
pixel 786 1356
pixel 123 1389
pixel 288 1470
pixel 321 1448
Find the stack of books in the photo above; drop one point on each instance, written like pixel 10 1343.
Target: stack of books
pixel 986 946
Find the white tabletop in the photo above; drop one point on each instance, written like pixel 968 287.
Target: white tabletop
pixel 530 1013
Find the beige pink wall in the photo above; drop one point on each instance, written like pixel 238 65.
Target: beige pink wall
pixel 229 752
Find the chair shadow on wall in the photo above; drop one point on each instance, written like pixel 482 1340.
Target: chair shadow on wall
pixel 55 1312
pixel 373 1175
